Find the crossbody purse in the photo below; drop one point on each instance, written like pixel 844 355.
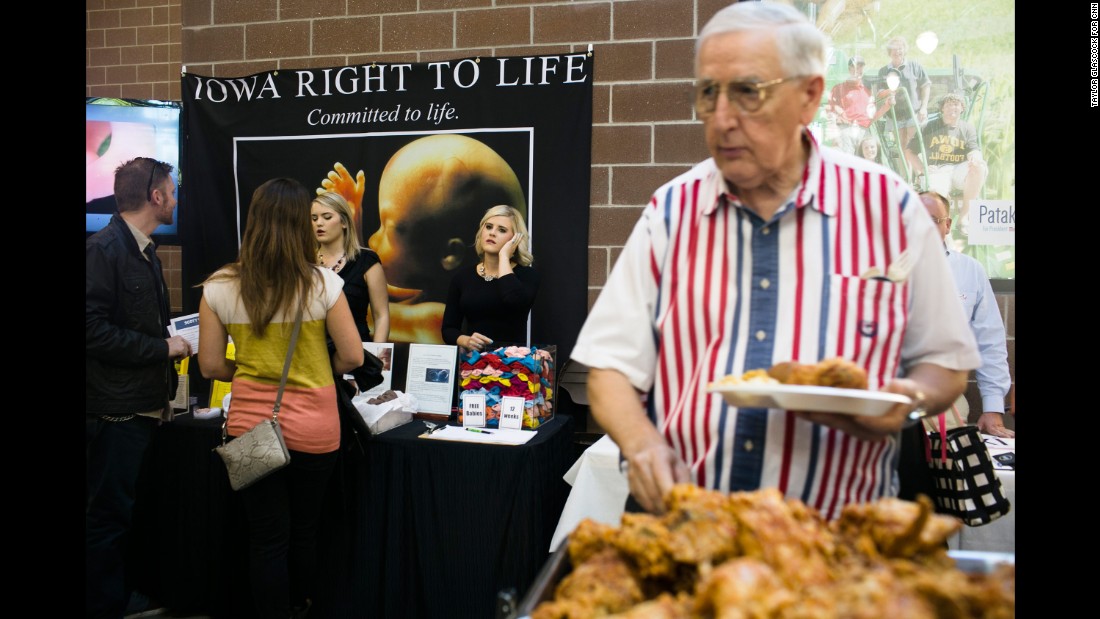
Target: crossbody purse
pixel 261 451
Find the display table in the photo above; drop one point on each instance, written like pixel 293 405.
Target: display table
pixel 188 540
pixel 599 490
pixel 413 527
pixel 451 524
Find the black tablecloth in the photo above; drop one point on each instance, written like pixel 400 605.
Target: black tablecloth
pixel 450 524
pixel 414 527
pixel 188 540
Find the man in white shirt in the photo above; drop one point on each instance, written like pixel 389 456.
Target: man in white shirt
pixel 980 305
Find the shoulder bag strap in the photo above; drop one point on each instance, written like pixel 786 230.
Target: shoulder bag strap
pixel 958 417
pixel 282 381
pixel 942 422
pixel 286 365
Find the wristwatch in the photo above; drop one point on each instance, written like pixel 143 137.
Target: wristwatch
pixel 920 411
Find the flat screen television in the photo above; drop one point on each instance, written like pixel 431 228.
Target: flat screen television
pixel 116 131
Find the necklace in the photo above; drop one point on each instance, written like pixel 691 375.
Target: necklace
pixel 481 272
pixel 335 267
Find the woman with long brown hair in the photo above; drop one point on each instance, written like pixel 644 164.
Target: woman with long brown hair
pixel 256 301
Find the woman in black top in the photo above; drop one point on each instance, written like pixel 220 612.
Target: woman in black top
pixel 488 303
pixel 339 250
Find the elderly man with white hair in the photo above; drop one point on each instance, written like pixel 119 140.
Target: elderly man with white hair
pixel 773 249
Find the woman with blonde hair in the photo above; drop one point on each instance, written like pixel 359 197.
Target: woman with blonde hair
pixel 339 250
pixel 256 300
pixel 488 303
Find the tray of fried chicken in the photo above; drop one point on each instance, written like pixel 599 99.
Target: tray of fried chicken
pixel 834 385
pixel 758 555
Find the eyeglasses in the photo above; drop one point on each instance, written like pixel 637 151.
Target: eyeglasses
pixel 749 96
pixel 152 173
pixel 940 220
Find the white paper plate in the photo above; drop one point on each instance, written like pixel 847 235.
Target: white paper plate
pixel 810 398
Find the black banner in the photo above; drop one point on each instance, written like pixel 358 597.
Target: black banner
pixel 532 115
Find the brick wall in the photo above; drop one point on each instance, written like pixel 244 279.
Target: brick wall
pixel 642 127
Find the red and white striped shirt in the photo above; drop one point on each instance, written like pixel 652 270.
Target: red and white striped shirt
pixel 706 288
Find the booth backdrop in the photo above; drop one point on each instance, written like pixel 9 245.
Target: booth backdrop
pixel 536 112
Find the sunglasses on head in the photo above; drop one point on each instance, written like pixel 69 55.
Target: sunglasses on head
pixel 152 173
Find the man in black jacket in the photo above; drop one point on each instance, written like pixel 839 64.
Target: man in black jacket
pixel 129 377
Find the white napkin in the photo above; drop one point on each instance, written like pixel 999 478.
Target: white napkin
pixel 387 415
